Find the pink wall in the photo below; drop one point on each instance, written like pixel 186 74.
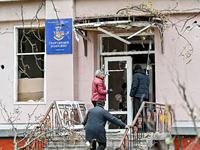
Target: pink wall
pixel 59 69
pixel 6 59
pixel 171 68
pixel 86 68
pixel 69 76
pixel 85 8
pixel 11 11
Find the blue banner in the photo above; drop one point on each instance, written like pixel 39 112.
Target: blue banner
pixel 58 34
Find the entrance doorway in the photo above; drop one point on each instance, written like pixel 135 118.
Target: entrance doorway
pixel 118 71
pixel 118 76
pixel 118 60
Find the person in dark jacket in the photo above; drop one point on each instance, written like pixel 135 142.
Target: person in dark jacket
pixel 123 105
pixel 95 121
pixel 139 88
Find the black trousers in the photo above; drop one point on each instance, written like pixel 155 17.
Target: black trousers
pixel 101 146
pixel 136 106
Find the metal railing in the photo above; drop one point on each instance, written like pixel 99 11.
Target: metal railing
pixel 60 118
pixel 150 118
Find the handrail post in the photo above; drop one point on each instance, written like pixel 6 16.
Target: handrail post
pixel 58 115
pixel 151 112
pixel 133 123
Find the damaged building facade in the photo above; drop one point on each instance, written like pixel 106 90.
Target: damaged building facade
pixel 161 36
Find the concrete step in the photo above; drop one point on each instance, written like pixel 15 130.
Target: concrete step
pixel 78 142
pixel 75 147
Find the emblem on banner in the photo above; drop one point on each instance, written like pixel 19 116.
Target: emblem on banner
pixel 58 34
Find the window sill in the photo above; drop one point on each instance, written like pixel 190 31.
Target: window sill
pixel 30 103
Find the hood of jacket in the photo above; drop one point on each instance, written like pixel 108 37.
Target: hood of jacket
pixel 140 71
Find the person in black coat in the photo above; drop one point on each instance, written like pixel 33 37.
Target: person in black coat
pixel 95 122
pixel 139 88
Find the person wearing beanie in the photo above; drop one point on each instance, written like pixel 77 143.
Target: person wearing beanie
pixel 118 98
pixel 122 103
pixel 137 67
pixel 139 88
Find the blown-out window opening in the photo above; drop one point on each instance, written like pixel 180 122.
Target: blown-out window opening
pixel 139 45
pixel 30 60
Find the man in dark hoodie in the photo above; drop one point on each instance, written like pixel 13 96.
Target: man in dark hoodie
pixel 139 88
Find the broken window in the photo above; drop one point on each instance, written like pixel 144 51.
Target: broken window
pixel 31 61
pixel 138 43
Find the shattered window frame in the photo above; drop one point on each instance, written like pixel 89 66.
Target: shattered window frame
pixel 39 57
pixel 125 52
